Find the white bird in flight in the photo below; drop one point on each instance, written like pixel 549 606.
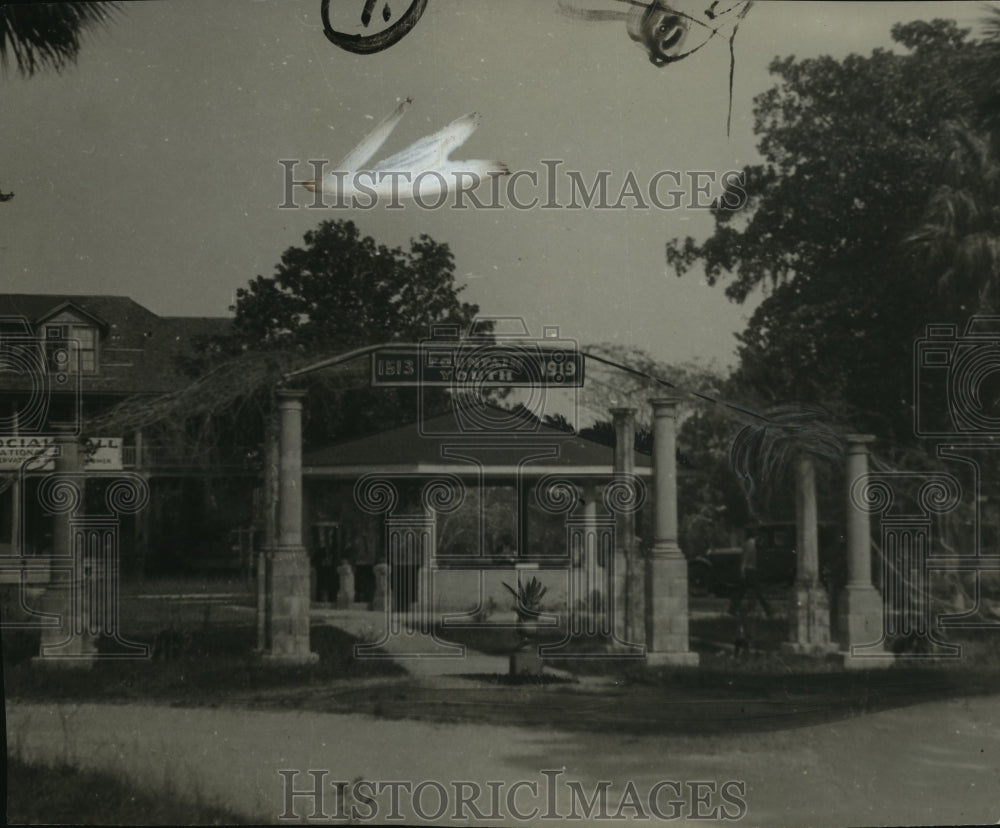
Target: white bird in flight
pixel 423 168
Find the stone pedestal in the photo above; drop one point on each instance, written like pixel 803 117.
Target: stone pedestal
pixel 527 662
pixel 289 622
pixel 809 621
pixel 667 639
pixel 667 602
pixel 859 621
pixel 345 588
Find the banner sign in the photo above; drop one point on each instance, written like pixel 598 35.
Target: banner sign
pixel 453 365
pixel 16 451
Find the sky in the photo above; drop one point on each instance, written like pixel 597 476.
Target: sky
pixel 152 168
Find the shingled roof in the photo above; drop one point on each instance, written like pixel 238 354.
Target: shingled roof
pixel 438 444
pixel 139 350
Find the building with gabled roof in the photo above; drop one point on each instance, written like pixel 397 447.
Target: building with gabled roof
pixel 67 357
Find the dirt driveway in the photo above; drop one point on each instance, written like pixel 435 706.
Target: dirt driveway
pixel 934 763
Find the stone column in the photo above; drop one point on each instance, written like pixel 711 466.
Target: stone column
pixel 269 504
pixel 289 582
pixel 809 615
pixel 666 567
pixel 629 578
pixel 859 616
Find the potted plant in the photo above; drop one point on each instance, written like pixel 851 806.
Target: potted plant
pixel 527 605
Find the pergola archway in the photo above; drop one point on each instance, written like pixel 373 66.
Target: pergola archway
pixel 659 607
pixel 658 614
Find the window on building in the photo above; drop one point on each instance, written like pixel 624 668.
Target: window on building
pixel 70 346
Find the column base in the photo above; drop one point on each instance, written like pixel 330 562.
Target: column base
pixel 687 659
pixel 61 662
pixel 860 621
pixel 809 622
pixel 819 650
pixel 288 616
pixel 874 661
pixel 667 602
pixel 287 659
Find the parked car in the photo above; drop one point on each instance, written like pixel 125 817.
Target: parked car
pixel 717 570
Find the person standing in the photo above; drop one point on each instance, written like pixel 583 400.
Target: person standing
pixel 748 577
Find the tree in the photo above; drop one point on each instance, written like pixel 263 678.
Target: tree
pixel 982 77
pixel 339 292
pixel 343 291
pixel 40 35
pixel 853 153
pixel 959 240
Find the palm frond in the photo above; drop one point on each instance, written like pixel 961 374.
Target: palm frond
pixel 760 454
pixel 40 35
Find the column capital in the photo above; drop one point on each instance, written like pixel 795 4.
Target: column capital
pixel 858 442
pixel 665 404
pixel 288 397
pixel 623 411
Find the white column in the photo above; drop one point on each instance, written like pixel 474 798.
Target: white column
pixel 859 612
pixel 809 613
pixel 289 609
pixel 666 567
pixel 630 581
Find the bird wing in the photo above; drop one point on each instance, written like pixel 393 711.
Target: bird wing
pixel 373 142
pixel 431 152
pixel 460 174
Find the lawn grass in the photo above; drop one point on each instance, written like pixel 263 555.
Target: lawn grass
pixel 211 659
pixel 39 794
pixel 215 664
pixel 216 667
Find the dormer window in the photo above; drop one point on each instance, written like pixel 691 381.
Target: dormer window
pixel 68 346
